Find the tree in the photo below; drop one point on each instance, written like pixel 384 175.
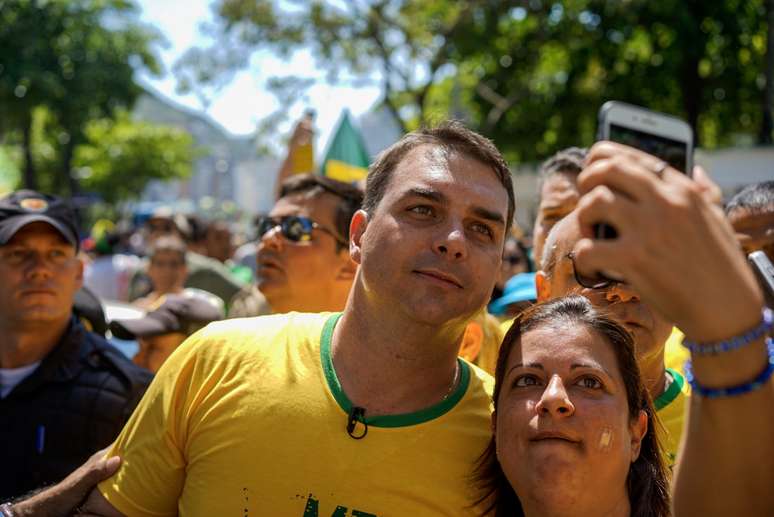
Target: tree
pixel 553 64
pixel 402 45
pixel 77 59
pixel 531 74
pixel 118 157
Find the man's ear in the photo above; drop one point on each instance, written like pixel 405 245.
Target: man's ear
pixel 472 340
pixel 357 228
pixel 347 269
pixel 637 429
pixel 542 286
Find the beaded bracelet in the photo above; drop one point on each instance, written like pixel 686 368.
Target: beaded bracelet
pixel 739 389
pixel 717 347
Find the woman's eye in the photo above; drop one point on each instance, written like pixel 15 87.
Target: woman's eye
pixel 421 210
pixel 525 380
pixel 590 383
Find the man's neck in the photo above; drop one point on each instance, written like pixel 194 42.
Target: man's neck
pixel 24 344
pixel 390 364
pixel 653 373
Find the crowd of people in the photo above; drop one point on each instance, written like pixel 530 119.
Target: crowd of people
pixel 398 347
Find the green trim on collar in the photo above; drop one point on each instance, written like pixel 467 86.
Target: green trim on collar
pixel 402 420
pixel 666 398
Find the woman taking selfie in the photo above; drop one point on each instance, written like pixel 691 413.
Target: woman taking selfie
pixel 573 424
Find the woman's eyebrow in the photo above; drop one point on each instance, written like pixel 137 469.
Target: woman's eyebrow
pixel 528 365
pixel 591 366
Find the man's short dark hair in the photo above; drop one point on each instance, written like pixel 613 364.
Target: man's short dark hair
pixel 568 160
pixel 350 198
pixel 756 198
pixel 451 136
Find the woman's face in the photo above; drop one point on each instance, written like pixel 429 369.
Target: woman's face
pixel 562 427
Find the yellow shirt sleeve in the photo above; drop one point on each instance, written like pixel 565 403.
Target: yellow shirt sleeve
pixel 152 444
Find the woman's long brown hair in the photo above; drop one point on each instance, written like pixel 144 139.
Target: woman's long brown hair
pixel 648 480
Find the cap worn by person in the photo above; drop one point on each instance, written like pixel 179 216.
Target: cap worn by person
pixel 520 288
pixel 23 207
pixel 174 313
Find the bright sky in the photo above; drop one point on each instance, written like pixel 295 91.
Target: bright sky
pixel 242 104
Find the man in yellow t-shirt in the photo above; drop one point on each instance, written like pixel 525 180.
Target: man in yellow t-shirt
pixel 557 277
pixel 369 413
pixel 268 411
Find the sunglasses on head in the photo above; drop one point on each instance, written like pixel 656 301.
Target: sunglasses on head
pixel 295 228
pixel 590 282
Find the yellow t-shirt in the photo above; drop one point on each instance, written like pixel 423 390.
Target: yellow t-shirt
pixel 670 410
pixel 248 418
pixel 675 354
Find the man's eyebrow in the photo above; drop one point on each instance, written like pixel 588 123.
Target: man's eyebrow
pixel 427 193
pixel 489 215
pixel 439 197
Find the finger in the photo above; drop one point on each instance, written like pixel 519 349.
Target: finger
pixel 594 257
pixel 632 177
pixel 709 188
pixel 607 149
pixel 602 205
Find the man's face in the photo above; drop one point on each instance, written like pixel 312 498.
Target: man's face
pixel 649 329
pixel 218 242
pixel 433 246
pixel 558 197
pixel 308 276
pixel 754 231
pixel 167 271
pixel 39 275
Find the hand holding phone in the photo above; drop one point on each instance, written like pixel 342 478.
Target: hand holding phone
pixel 663 136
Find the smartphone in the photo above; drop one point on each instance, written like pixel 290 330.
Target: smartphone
pixel 664 136
pixel 764 270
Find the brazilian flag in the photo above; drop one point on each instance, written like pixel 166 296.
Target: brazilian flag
pixel 347 159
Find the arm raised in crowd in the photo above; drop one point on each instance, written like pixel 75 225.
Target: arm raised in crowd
pixel 676 248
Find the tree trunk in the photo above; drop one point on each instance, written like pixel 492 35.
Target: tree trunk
pixel 767 124
pixel 30 179
pixel 68 150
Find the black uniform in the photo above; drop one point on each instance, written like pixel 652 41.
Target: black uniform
pixel 72 405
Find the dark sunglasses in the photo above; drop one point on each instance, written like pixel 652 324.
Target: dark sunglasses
pixel 590 282
pixel 295 228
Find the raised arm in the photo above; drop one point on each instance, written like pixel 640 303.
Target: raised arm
pixel 677 249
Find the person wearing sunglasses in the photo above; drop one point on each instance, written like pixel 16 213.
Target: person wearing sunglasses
pixel 559 277
pixel 303 261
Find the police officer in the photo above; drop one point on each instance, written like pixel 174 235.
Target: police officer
pixel 64 391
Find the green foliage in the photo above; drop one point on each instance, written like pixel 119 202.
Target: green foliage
pixel 75 58
pixel 120 156
pixel 531 75
pixel 402 45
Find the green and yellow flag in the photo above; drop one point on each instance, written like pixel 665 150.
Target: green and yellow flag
pixel 347 159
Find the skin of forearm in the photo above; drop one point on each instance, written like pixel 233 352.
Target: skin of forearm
pixel 727 455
